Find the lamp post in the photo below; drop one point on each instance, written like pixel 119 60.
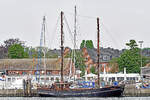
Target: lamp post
pixel 141 42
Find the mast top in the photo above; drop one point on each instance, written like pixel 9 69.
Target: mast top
pixel 44 18
pixel 62 12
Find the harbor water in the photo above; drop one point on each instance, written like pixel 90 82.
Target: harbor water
pixel 83 98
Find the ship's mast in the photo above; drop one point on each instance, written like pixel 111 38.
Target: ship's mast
pixel 44 46
pixel 98 51
pixel 75 34
pixel 62 47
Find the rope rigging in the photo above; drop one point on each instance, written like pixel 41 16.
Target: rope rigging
pixel 79 15
pixel 69 30
pixel 110 34
pixel 107 31
pixel 54 32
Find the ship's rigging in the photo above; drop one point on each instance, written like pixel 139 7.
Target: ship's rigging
pixel 62 89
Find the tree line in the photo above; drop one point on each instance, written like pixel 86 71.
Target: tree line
pixel 16 49
pixel 12 46
pixel 130 58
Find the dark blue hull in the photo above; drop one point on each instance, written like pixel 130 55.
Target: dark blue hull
pixel 114 91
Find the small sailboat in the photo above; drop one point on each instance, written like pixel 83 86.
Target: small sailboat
pixel 62 89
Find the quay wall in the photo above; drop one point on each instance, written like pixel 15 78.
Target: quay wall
pixel 17 93
pixel 131 91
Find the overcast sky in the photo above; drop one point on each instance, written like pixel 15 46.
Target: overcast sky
pixel 120 21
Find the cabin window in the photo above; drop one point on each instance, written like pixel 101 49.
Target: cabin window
pixel 131 78
pixel 48 73
pixel 13 79
pixel 57 79
pixel 37 79
pixel 37 73
pixel 9 73
pixel 52 78
pixel 9 79
pixel 110 79
pixel 102 79
pixel 23 73
pixel 136 78
pixel 42 79
pixel 113 78
pixel 47 78
pixel 120 78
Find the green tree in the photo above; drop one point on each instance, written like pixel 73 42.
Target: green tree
pixel 82 44
pixel 80 62
pixel 16 51
pixel 7 43
pixel 131 58
pixel 82 71
pixel 114 65
pixel 87 44
pixel 132 44
pixel 40 52
pixel 33 53
pixel 92 69
pixel 26 52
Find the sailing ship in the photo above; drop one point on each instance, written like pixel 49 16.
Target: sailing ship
pixel 62 89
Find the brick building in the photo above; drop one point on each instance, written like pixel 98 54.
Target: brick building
pixel 30 66
pixel 90 56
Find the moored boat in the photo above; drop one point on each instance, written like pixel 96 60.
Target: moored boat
pixel 112 91
pixel 62 89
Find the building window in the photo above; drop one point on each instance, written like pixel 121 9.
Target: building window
pixel 86 59
pixel 105 57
